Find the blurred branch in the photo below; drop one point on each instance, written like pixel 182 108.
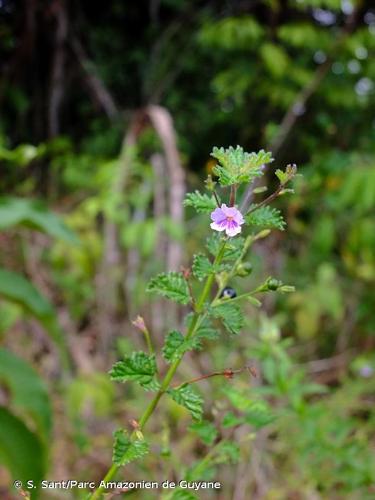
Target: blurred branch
pixel 58 10
pixel 94 83
pixel 163 124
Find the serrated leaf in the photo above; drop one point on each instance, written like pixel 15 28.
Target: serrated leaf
pixel 266 217
pixel 126 450
pixel 201 202
pixel 176 345
pixel 202 266
pixel 140 367
pixel 282 176
pixel 230 315
pixel 232 250
pixel 237 166
pixel 186 396
pixel 205 329
pixel 170 285
pixel 285 177
pixel 206 431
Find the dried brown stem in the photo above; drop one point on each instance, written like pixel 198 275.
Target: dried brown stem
pixel 227 373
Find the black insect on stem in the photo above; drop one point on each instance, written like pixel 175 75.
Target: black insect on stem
pixel 228 293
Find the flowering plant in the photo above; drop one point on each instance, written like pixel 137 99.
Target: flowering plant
pixel 225 260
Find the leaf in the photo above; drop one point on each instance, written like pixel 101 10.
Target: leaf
pixel 186 396
pixel 227 452
pixel 140 367
pixel 285 177
pixel 233 247
pixel 176 345
pixel 201 202
pixel 266 217
pixel 231 420
pixel 202 266
pixel 230 314
pixel 237 166
pixel 206 431
pixel 15 288
pixel 259 415
pixel 21 451
pixel 28 392
pixel 205 329
pixel 126 450
pixel 34 215
pixel 170 285
pixel 254 301
pixel 180 494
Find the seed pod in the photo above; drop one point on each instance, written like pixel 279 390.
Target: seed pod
pixel 244 269
pixel 228 293
pixel 273 284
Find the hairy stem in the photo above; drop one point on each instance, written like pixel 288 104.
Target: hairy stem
pixel 198 314
pixel 267 200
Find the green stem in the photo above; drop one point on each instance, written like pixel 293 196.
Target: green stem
pixel 172 369
pixel 148 341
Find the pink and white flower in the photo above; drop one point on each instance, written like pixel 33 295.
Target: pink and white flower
pixel 227 219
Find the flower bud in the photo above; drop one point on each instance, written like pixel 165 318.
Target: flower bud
pixel 139 323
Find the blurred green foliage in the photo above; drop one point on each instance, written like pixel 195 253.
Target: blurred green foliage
pixel 228 72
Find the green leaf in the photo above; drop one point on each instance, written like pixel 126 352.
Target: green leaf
pixel 176 345
pixel 21 451
pixel 266 217
pixel 232 250
pixel 254 301
pixel 201 202
pixel 187 397
pixel 285 177
pixel 231 420
pixel 227 452
pixel 259 414
pixel 139 366
pixel 237 166
pixel 28 393
pixel 15 288
pixel 205 329
pixel 170 285
pixel 126 450
pixel 34 215
pixel 202 267
pixel 180 494
pixel 230 314
pixel 206 431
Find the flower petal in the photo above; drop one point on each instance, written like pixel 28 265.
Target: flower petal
pixel 217 227
pixel 232 231
pixel 217 214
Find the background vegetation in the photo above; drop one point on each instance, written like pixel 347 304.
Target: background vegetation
pixel 108 115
